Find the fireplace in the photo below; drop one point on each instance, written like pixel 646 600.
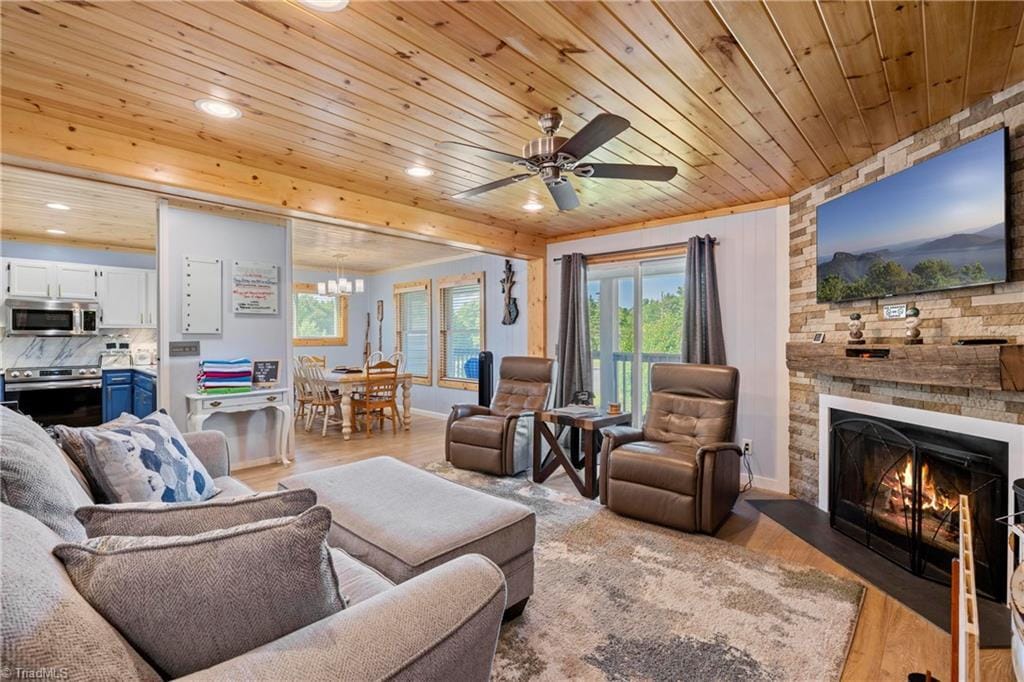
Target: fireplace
pixel 895 487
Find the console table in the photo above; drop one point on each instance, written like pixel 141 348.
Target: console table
pixel 202 406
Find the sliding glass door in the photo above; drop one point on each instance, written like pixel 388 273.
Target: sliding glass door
pixel 636 319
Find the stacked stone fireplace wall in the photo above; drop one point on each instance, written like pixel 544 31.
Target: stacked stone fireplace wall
pixel 990 310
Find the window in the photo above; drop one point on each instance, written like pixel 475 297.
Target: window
pixel 319 320
pixel 636 320
pixel 412 327
pixel 462 330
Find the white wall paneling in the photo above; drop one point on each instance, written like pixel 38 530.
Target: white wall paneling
pixel 183 233
pixel 752 260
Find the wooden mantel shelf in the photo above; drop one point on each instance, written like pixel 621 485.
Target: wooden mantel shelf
pixel 996 368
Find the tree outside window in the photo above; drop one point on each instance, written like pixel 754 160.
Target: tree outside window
pixel 319 320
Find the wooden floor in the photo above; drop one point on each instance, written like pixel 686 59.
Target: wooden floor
pixel 891 640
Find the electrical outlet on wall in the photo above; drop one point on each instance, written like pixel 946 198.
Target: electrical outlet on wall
pixel 748 446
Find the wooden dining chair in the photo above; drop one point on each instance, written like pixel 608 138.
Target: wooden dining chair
pixel 303 391
pixel 398 360
pixel 379 394
pixel 322 400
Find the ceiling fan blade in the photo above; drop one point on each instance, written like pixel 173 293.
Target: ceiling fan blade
pixel 601 129
pixel 511 180
pixel 482 151
pixel 564 195
pixel 625 171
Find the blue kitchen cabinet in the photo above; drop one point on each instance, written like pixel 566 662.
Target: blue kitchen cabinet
pixel 143 395
pixel 117 393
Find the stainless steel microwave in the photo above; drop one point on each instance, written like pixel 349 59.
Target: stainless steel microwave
pixel 51 317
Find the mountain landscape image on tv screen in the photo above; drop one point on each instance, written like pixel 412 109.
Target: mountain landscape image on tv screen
pixel 938 225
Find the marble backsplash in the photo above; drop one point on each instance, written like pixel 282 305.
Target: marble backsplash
pixel 55 351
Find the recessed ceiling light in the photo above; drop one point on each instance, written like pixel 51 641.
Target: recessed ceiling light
pixel 419 172
pixel 59 207
pixel 218 108
pixel 325 5
pixel 533 205
pixel 56 232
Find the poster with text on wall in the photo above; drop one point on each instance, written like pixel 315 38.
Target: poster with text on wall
pixel 254 288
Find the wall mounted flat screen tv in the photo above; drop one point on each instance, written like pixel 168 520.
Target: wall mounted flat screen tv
pixel 941 224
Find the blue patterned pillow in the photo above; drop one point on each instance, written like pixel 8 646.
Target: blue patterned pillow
pixel 147 461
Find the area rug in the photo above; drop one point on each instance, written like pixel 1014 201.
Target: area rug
pixel 619 599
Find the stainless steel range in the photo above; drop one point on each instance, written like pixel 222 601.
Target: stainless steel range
pixel 57 395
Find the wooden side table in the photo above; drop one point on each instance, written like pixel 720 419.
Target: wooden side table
pixel 586 428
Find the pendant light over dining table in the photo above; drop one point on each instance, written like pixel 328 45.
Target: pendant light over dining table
pixel 340 285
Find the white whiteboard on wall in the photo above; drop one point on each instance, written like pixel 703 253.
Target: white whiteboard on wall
pixel 254 288
pixel 202 294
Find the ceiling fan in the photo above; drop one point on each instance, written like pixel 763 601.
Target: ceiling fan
pixel 553 158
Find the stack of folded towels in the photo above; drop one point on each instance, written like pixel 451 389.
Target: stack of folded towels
pixel 225 376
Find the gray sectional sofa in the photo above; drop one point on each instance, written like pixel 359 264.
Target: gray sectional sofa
pixel 442 624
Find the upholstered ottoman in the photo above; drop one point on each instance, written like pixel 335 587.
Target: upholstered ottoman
pixel 403 521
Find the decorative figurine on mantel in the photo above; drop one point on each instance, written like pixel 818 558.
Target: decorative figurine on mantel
pixel 912 323
pixel 511 305
pixel 856 327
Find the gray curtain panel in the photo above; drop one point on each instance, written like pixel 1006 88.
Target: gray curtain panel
pixel 574 366
pixel 703 342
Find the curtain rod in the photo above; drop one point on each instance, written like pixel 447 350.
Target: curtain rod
pixel 626 252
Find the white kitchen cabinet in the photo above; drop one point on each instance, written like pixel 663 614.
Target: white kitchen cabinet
pixel 123 297
pixel 30 278
pixel 127 296
pixel 151 310
pixel 75 280
pixel 49 279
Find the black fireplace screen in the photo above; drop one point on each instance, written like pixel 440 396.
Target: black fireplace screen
pixel 896 487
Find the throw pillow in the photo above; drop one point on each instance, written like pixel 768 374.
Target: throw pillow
pixel 187 603
pixel 80 478
pixel 192 518
pixel 71 440
pixel 46 626
pixel 147 461
pixel 35 478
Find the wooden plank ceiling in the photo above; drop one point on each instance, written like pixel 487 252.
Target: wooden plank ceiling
pixel 98 215
pixel 750 100
pixel 103 216
pixel 315 245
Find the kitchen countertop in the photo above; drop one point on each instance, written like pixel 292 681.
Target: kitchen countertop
pixel 149 370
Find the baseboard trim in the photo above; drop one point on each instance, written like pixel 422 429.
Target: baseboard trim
pixel 427 413
pixel 765 483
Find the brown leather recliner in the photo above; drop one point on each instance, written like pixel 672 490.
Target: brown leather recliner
pixel 681 469
pixel 498 439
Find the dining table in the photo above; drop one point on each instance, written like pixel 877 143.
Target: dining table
pixel 349 382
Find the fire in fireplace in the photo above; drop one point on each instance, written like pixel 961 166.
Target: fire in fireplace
pixel 895 488
pixel 936 504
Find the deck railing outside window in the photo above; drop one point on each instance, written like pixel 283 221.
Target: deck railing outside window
pixel 623 368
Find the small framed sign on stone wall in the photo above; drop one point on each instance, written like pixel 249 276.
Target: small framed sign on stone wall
pixel 894 311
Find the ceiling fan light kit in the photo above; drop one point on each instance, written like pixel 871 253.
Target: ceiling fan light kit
pixel 554 158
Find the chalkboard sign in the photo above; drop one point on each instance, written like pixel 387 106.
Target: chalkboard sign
pixel 264 372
